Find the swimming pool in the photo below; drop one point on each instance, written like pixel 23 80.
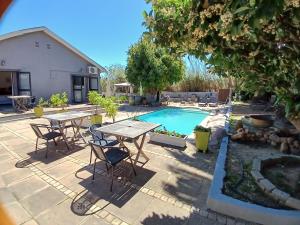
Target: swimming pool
pixel 180 120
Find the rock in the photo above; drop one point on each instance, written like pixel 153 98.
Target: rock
pixel 262 139
pixel 238 136
pixel 241 130
pixel 284 147
pixel 266 135
pixel 295 151
pixel 290 140
pixel 239 124
pixel 275 138
pixel 273 143
pixel 259 134
pixel 296 144
pixel 283 139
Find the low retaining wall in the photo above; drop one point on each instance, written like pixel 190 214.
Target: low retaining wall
pixel 227 205
pixel 184 95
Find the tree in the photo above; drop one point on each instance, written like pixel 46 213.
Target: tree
pixel 115 74
pixel 256 41
pixel 152 67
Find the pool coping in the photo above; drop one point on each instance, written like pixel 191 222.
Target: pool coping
pixel 221 203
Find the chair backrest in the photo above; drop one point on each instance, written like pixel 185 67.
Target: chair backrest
pixel 96 135
pixel 98 151
pixel 32 100
pixel 36 130
pixel 54 123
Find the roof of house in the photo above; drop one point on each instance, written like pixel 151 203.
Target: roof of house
pixel 55 37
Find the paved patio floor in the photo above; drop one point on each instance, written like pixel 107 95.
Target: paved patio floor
pixel 171 188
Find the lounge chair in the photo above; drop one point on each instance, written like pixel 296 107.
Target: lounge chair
pixel 50 135
pixel 112 156
pixel 99 138
pixel 213 102
pixel 203 101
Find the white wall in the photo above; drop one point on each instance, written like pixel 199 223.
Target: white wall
pixel 50 69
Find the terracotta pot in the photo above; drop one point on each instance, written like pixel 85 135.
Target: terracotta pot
pixel 261 121
pixel 296 123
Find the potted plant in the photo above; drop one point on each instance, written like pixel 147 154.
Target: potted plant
pixel 111 109
pixel 39 110
pixel 202 135
pixel 168 137
pixel 94 98
pixel 59 100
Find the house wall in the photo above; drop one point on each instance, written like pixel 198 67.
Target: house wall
pixel 50 63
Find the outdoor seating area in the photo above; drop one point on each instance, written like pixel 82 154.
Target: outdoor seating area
pixel 109 173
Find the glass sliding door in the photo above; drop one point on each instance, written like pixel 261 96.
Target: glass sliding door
pixel 24 83
pixel 78 88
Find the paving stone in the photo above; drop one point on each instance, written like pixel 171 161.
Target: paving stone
pixel 109 218
pixel 293 202
pixel 60 214
pixel 30 222
pixel 92 220
pixel 159 213
pixel 196 219
pixel 49 196
pixel 130 206
pixel 27 187
pixel 6 196
pixel 16 175
pixel 18 214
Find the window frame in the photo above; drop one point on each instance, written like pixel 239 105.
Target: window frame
pixel 18 82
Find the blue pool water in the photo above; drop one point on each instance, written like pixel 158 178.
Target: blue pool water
pixel 180 120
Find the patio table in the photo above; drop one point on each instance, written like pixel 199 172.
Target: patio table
pixel 133 130
pixel 19 101
pixel 71 116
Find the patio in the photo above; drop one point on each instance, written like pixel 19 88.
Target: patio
pixel 171 188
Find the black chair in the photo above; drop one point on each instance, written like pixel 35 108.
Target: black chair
pixel 55 126
pixel 32 102
pixel 111 156
pixel 50 135
pixel 99 138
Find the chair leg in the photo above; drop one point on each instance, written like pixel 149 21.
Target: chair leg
pixel 91 156
pixel 106 167
pixel 132 165
pixel 47 149
pixel 36 144
pixel 112 178
pixel 94 169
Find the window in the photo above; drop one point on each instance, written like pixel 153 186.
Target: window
pixel 24 85
pixel 94 83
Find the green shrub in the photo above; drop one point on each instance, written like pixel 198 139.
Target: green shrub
pixel 42 102
pixel 59 99
pixel 94 97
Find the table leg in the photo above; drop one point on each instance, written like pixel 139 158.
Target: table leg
pixel 61 130
pixel 77 130
pixel 140 150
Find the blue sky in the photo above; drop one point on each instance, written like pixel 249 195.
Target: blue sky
pixel 102 29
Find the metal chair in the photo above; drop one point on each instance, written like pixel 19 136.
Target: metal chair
pixel 99 137
pixel 32 102
pixel 112 156
pixel 51 135
pixel 55 126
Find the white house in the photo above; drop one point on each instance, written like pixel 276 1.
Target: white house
pixel 37 62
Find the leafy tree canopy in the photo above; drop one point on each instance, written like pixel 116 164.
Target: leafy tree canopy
pixel 254 40
pixel 152 66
